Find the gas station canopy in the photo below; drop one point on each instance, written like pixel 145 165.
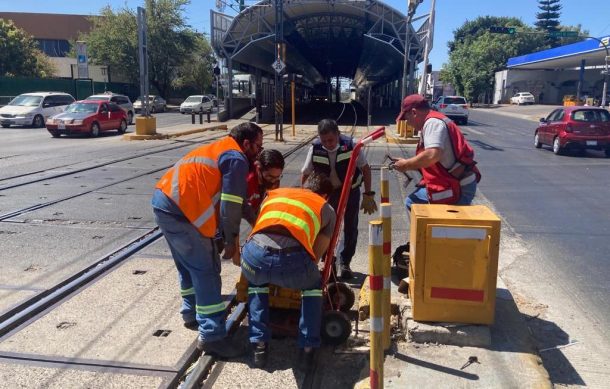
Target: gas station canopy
pixel 564 57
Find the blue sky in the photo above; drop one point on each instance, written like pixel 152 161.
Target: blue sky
pixel 450 14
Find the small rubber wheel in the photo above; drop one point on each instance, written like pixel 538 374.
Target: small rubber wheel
pixel 341 295
pixel 336 327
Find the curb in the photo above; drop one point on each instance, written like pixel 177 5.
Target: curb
pixel 158 136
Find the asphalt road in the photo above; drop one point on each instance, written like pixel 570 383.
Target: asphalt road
pixel 558 204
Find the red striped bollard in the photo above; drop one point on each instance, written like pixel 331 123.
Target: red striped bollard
pixel 376 288
pixel 385 185
pixel 386 222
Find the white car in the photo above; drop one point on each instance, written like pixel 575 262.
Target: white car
pixel 33 109
pixel 196 103
pixel 120 100
pixel 454 107
pixel 522 98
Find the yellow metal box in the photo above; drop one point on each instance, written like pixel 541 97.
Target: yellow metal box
pixel 453 263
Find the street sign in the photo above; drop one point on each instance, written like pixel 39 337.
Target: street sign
pixel 82 63
pixel 278 66
pixel 502 30
pixel 563 34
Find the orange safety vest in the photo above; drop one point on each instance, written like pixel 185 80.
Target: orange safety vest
pixel 297 210
pixel 194 184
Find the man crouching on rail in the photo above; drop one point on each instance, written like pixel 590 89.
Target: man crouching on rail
pixel 292 232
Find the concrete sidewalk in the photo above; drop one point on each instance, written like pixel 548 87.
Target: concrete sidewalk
pixel 527 112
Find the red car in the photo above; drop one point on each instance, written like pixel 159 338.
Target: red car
pixel 577 127
pixel 88 117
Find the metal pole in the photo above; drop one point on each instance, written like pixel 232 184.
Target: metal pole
pixel 405 73
pixel 292 98
pixel 143 59
pixel 368 108
pixel 279 109
pixel 428 47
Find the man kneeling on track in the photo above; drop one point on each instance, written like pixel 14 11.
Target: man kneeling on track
pixel 292 232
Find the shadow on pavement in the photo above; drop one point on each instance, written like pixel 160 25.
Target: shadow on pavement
pixel 434 366
pixel 516 332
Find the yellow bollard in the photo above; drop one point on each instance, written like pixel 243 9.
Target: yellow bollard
pixel 376 320
pixel 385 185
pixel 386 221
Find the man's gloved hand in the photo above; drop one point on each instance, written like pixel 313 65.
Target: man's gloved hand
pixel 232 252
pixel 368 203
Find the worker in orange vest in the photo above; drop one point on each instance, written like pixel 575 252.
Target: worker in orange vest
pixel 202 193
pixel 292 232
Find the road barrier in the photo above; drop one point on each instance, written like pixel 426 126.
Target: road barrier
pixel 376 288
pixel 200 117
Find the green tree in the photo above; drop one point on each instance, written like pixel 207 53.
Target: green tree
pixel 113 41
pixel 548 19
pixel 19 55
pixel 475 54
pixel 196 71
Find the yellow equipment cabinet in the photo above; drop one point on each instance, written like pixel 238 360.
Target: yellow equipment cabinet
pixel 453 263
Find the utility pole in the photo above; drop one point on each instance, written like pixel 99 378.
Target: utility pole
pixel 429 36
pixel 411 7
pixel 279 95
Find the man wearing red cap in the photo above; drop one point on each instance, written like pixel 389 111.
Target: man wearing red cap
pixel 444 158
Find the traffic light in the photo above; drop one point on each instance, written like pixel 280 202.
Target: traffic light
pixel 502 30
pixel 429 68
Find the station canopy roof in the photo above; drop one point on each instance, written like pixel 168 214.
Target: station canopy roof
pixel 564 57
pixel 363 40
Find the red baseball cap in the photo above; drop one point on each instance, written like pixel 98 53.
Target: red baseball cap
pixel 410 102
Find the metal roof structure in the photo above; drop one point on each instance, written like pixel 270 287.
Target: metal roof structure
pixel 363 40
pixel 563 57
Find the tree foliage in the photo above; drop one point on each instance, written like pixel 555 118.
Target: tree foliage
pixel 196 69
pixel 548 19
pixel 475 54
pixel 172 44
pixel 19 54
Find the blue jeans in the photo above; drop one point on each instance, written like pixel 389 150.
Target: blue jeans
pixel 198 265
pixel 420 196
pixel 350 223
pixel 295 269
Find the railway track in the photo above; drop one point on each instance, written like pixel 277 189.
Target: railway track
pixel 197 370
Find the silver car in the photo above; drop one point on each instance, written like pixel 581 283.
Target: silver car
pixel 454 107
pixel 120 100
pixel 156 104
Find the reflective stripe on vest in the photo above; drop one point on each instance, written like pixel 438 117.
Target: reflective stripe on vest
pixel 296 210
pixel 175 191
pixel 312 293
pixel 187 292
pixel 318 159
pixel 210 309
pixel 253 290
pixel 344 156
pixel 293 219
pixel 231 198
pixel 207 213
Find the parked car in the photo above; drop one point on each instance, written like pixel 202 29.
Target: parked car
pixel 214 100
pixel 196 103
pixel 575 127
pixel 454 107
pixel 88 117
pixel 120 100
pixel 157 104
pixel 32 109
pixel 523 98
